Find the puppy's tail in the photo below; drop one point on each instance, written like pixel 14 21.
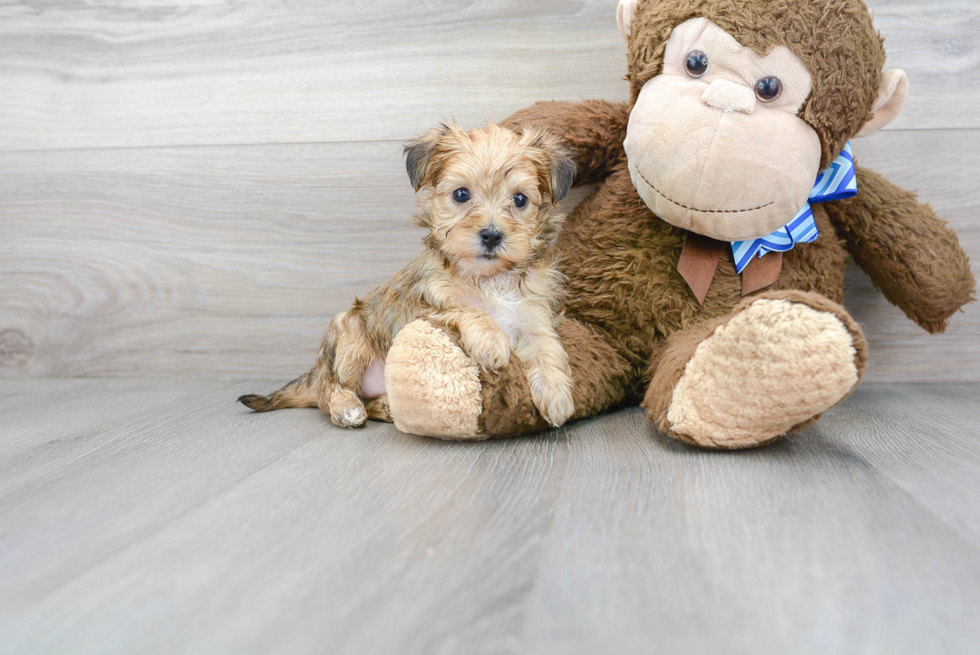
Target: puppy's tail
pixel 301 392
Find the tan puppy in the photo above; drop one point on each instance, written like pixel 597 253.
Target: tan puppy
pixel 488 198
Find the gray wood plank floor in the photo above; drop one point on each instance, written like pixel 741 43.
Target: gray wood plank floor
pixel 157 516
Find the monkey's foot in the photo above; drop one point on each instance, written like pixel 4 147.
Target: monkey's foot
pixel 775 365
pixel 433 387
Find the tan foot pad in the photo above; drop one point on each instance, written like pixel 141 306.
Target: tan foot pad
pixel 433 386
pixel 773 366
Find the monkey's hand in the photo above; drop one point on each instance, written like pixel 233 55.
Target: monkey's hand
pixel 909 253
pixel 594 130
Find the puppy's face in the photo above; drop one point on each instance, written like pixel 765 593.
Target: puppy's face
pixel 489 195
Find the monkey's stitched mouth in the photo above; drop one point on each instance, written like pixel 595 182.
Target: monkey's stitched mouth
pixel 695 209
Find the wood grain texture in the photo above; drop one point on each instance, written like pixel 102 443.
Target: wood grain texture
pixel 910 436
pixel 191 525
pixel 230 260
pixel 192 260
pixel 157 73
pixel 797 548
pixel 270 71
pixel 275 533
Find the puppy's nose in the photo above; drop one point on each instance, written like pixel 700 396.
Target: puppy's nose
pixel 491 237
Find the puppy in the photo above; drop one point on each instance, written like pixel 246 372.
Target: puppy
pixel 488 198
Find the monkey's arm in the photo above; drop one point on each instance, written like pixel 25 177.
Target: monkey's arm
pixel 593 129
pixel 907 251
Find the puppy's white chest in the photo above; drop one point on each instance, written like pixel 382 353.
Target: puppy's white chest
pixel 502 300
pixel 505 310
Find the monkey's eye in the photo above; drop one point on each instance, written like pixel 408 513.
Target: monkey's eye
pixel 520 200
pixel 696 64
pixel 461 195
pixel 768 89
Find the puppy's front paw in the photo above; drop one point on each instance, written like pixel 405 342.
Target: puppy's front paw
pixel 489 347
pixel 553 398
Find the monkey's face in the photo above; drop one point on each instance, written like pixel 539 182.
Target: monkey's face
pixel 714 142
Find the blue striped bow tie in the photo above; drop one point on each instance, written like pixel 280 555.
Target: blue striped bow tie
pixel 834 183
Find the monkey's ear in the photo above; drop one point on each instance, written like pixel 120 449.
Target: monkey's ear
pixel 624 17
pixel 419 153
pixel 892 94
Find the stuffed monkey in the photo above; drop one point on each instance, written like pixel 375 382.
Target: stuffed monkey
pixel 706 273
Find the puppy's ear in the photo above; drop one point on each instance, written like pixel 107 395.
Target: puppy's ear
pixel 556 158
pixel 562 172
pixel 418 153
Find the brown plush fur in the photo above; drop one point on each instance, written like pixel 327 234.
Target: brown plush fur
pixel 672 355
pixel 603 376
pixel 459 280
pixel 912 257
pixel 626 301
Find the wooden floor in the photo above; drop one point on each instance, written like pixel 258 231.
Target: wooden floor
pixel 159 516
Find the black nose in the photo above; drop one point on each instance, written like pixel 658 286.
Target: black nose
pixel 491 237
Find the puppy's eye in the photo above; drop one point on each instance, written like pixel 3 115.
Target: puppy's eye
pixel 461 195
pixel 520 200
pixel 768 89
pixel 696 64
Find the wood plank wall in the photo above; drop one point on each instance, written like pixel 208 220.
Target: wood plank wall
pixel 192 188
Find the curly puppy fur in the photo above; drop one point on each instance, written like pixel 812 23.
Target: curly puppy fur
pixel 488 199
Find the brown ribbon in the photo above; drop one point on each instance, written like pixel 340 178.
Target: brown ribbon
pixel 762 272
pixel 699 261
